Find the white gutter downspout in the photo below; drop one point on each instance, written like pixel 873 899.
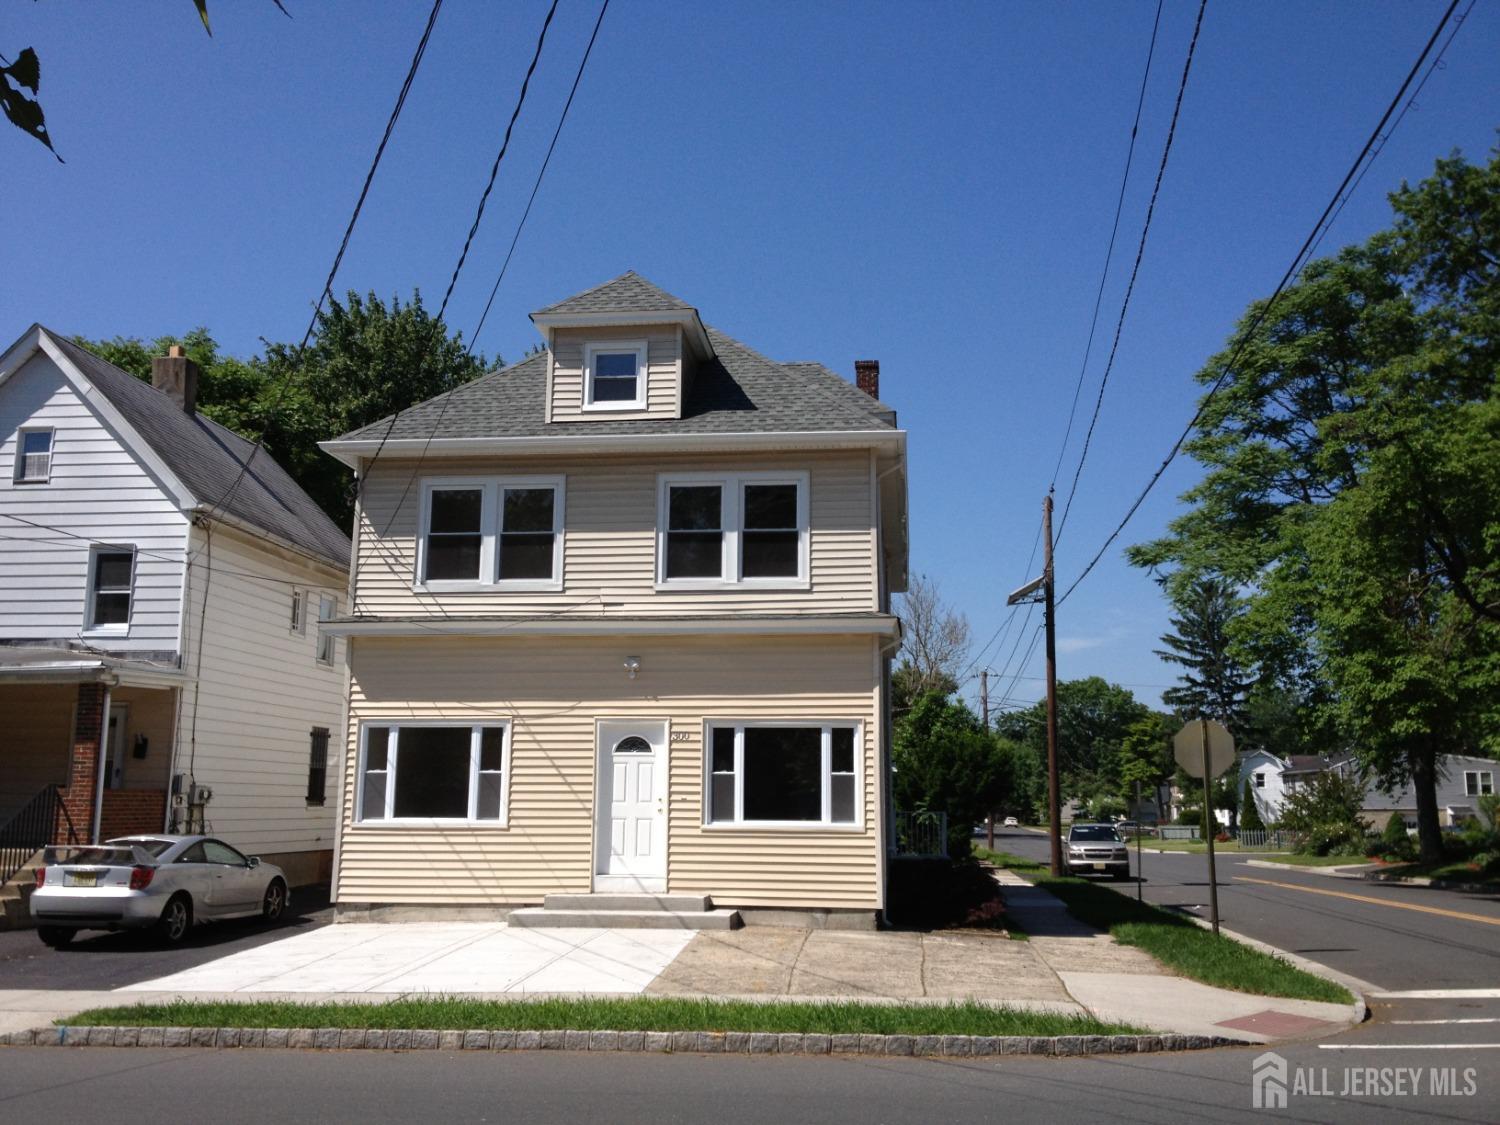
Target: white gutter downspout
pixel 102 765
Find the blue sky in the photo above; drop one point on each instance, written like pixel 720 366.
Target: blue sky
pixel 930 185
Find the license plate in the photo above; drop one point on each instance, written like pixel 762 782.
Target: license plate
pixel 85 878
pixel 1100 866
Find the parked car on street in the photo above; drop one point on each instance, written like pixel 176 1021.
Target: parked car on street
pixel 1012 822
pixel 166 884
pixel 1096 849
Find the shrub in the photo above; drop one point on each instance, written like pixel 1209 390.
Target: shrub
pixel 1334 839
pixel 1395 841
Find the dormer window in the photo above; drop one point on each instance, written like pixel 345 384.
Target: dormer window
pixel 614 375
pixel 34 456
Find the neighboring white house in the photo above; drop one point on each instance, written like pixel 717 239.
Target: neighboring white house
pixel 1263 771
pixel 622 621
pixel 161 663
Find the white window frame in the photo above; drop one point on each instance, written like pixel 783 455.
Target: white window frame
pixel 825 824
pixel 89 625
pixel 1481 779
pixel 731 569
pixel 614 347
pixel 476 730
pixel 491 489
pixel 328 608
pixel 299 612
pixel 21 476
pixel 1260 779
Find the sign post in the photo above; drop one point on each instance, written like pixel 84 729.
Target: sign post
pixel 1205 748
pixel 1140 875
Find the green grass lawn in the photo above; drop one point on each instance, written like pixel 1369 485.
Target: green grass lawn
pixel 1458 872
pixel 634 1013
pixel 1007 860
pixel 1185 948
pixel 1294 860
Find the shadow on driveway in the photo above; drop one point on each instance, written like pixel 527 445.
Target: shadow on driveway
pixel 98 960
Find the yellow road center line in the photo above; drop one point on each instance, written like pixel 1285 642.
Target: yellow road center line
pixel 1484 918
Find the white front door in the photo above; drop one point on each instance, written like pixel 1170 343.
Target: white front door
pixel 631 834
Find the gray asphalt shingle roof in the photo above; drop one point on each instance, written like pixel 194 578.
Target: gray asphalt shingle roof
pixel 207 458
pixel 737 391
pixel 630 292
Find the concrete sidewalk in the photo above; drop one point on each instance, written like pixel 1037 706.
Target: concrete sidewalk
pixel 1065 966
pixel 1115 982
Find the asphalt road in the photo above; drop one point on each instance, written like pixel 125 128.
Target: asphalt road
pixel 112 1086
pixel 103 961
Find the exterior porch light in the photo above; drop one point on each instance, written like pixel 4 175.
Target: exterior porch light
pixel 632 666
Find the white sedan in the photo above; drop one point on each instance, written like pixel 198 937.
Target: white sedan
pixel 166 884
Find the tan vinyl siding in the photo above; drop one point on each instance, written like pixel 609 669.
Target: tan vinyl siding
pixel 609 553
pixel 260 692
pixel 663 356
pixel 553 691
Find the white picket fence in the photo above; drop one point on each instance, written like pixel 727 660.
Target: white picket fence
pixel 919 835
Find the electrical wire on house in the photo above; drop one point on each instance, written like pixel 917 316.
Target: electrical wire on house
pixel 1298 262
pixel 1140 253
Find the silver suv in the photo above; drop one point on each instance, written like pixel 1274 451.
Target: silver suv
pixel 1096 849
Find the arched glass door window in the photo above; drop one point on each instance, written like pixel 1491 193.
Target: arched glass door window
pixel 635 744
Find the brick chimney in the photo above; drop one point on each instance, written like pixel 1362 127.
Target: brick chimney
pixel 867 376
pixel 177 376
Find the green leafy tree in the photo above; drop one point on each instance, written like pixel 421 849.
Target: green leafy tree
pixel 947 762
pixel 1214 682
pixel 1353 487
pixel 1093 719
pixel 366 359
pixel 1146 756
pixel 1324 812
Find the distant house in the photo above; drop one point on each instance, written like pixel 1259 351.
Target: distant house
pixel 1265 774
pixel 161 662
pixel 1462 781
pixel 622 624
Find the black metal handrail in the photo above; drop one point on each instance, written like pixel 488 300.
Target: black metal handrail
pixel 32 829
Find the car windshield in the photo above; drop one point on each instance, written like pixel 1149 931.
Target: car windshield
pixel 1093 832
pixel 155 847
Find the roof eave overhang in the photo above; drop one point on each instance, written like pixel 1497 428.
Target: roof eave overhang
pixel 873 625
pixel 687 319
pixel 353 452
pixel 217 515
pixel 91 672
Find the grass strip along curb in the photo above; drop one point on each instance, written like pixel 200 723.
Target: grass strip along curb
pixel 692 1042
pixel 1178 943
pixel 628 1013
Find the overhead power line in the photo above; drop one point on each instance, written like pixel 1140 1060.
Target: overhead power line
pixel 1135 270
pixel 1292 270
pixel 338 258
pixel 546 160
pixel 1109 252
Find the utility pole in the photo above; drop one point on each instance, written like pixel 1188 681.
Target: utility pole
pixel 984 707
pixel 1026 593
pixel 1054 807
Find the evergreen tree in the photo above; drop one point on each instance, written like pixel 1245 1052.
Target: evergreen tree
pixel 1250 818
pixel 1214 684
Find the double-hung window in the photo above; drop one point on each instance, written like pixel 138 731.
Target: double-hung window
pixel 328 607
pixel 1478 783
pixel 111 579
pixel 614 375
pixel 434 771
pixel 483 533
pixel 34 456
pixel 782 774
pixel 732 529
pixel 317 766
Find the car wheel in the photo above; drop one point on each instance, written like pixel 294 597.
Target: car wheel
pixel 274 904
pixel 175 921
pixel 58 937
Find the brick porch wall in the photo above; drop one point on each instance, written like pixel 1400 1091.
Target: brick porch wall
pixel 83 763
pixel 130 812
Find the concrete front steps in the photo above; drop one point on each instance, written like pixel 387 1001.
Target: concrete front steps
pixel 623 911
pixel 15 895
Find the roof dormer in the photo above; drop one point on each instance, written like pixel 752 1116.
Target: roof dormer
pixel 624 350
